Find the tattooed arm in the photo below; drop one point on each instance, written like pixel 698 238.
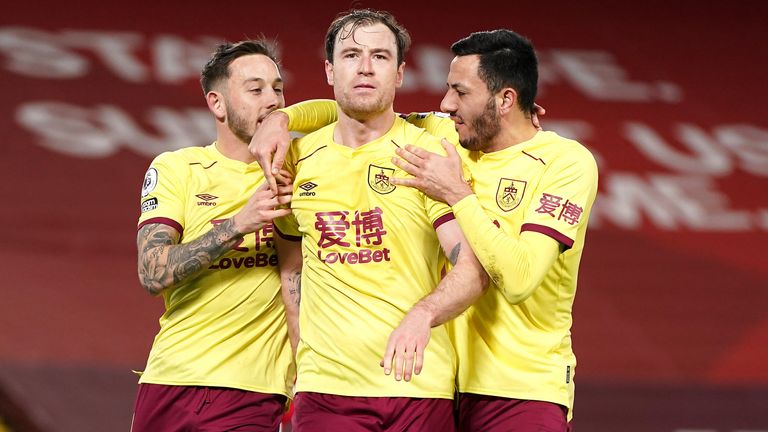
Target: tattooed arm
pixel 456 292
pixel 290 262
pixel 164 263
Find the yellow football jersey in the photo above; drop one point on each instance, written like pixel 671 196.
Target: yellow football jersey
pixel 545 185
pixel 226 327
pixel 370 253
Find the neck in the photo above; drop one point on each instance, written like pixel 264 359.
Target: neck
pixel 514 130
pixel 356 131
pixel 230 146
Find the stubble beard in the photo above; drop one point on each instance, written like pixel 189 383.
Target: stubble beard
pixel 487 126
pixel 362 108
pixel 240 126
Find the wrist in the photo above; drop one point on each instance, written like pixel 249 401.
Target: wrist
pixel 280 117
pixel 423 311
pixel 238 230
pixel 458 195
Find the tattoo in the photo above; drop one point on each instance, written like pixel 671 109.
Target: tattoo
pixel 164 263
pixel 454 255
pixel 294 288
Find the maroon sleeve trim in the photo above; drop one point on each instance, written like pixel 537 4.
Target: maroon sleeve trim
pixel 549 232
pixel 443 219
pixel 286 236
pixel 165 221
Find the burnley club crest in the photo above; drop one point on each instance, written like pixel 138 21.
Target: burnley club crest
pixel 378 179
pixel 510 193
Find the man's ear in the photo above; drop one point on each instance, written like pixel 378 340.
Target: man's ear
pixel 400 75
pixel 216 104
pixel 508 101
pixel 329 72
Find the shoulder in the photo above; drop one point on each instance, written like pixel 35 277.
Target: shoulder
pixel 183 156
pixel 420 137
pixel 563 151
pixel 314 140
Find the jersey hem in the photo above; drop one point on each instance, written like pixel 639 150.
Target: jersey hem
pixel 256 389
pixel 519 396
pixel 420 395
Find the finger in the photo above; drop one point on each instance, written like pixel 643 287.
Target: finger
pixel 399 181
pixel 277 213
pixel 408 368
pixel 285 189
pixel 406 166
pixel 279 157
pixel 419 152
pixel 539 110
pixel 419 359
pixel 284 177
pixel 408 154
pixel 386 362
pixel 399 363
pixel 535 121
pixel 449 148
pixel 284 199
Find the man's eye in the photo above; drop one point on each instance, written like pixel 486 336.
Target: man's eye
pixel 256 91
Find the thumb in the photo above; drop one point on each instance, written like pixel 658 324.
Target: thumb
pixel 450 148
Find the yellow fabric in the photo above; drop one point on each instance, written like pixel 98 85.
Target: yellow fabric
pixel 515 341
pixel 370 253
pixel 309 116
pixel 518 343
pixel 226 327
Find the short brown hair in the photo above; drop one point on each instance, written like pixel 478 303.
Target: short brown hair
pixel 366 17
pixel 217 67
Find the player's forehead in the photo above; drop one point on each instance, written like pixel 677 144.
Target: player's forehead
pixel 365 35
pixel 465 66
pixel 254 67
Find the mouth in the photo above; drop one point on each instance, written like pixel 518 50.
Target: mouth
pixel 365 86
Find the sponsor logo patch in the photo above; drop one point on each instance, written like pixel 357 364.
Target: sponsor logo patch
pixel 510 193
pixel 207 199
pixel 150 182
pixel 378 179
pixel 307 187
pixel 148 205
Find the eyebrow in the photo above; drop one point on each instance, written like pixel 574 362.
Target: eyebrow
pixel 373 50
pixel 261 80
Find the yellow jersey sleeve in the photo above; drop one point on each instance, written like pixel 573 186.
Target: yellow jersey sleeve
pixel 310 115
pixel 567 189
pixel 162 194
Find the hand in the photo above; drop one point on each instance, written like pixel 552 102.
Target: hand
pixel 538 110
pixel 405 348
pixel 262 208
pixel 270 144
pixel 438 176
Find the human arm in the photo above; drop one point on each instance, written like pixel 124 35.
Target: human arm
pixel 290 263
pixel 271 140
pixel 163 262
pixel 516 266
pixel 463 284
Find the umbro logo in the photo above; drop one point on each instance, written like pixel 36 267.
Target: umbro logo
pixel 207 199
pixel 307 187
